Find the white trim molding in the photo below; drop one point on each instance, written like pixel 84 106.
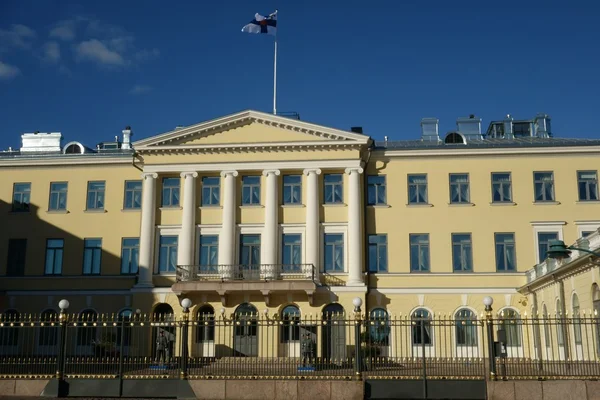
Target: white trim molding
pixel 545 226
pixel 316 165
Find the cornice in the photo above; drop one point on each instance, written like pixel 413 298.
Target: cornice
pixel 379 153
pixel 255 165
pixel 60 161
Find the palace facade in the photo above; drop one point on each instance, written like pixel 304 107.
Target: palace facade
pixel 253 212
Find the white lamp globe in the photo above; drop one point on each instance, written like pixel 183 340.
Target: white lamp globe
pixel 488 301
pixel 266 311
pixel 186 303
pixel 222 311
pixel 63 304
pixel 357 301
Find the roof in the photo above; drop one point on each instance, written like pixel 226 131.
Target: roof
pixel 487 143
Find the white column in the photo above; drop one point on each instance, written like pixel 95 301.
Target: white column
pixel 187 235
pixel 227 236
pixel 269 240
pixel 355 245
pixel 147 230
pixel 312 219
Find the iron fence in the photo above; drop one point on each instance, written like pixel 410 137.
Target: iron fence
pixel 294 346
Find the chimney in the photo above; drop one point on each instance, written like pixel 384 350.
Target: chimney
pixel 357 129
pixel 508 127
pixel 41 142
pixel 126 145
pixel 429 130
pixel 542 125
pixel 470 127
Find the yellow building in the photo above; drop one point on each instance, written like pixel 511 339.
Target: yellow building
pixel 253 212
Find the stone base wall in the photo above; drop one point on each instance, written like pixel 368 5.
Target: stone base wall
pixel 544 390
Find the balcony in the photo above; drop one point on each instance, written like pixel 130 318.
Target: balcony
pixel 230 279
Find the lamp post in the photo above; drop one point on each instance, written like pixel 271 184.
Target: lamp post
pixel 558 250
pixel 487 302
pixel 357 302
pixel 185 304
pixel 60 370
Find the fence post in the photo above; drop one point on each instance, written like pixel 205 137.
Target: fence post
pixel 122 335
pixel 60 367
pixel 357 301
pixel 186 304
pixel 488 301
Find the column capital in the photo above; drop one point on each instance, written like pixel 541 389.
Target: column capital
pixel 232 173
pixel 357 170
pixel 309 171
pixel 152 175
pixel 193 174
pixel 275 172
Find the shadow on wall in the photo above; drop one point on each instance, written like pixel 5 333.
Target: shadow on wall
pixel 53 259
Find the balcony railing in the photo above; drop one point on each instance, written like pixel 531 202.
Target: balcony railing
pixel 237 272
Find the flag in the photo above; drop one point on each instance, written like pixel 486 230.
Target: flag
pixel 261 24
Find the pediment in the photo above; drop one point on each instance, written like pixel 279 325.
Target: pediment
pixel 248 129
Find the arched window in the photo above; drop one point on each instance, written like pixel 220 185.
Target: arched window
pixel 596 305
pixel 86 331
pixel 48 334
pixel 290 324
pixel 247 314
pixel 576 320
pixel 124 325
pixel 466 327
pixel 560 337
pixel 379 327
pixel 510 321
pixel 454 138
pixel 546 324
pixel 205 330
pixel 421 327
pixel 9 336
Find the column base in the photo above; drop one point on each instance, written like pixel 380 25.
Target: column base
pixel 355 283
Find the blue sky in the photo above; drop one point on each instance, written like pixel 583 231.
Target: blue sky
pixel 87 69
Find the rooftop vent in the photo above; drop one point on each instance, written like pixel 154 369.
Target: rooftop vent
pixel 429 129
pixel 127 133
pixel 41 142
pixel 357 129
pixel 542 125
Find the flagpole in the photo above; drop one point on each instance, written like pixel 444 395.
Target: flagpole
pixel 275 79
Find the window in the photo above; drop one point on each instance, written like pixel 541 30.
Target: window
pixel 86 332
pixel 576 320
pixel 334 188
pixel 92 254
pixel 54 256
pixel 376 193
pixel 292 252
pixel 521 129
pixel 379 329
pixel 585 234
pixel 543 186
pixel 466 328
pixel 211 191
pixel 130 256
pixel 587 182
pixel 459 189
pixel 560 333
pixel 205 330
pixel 462 252
pixel 421 327
pixel 209 253
pixel 419 252
pixel 95 195
pixel 21 196
pixel 505 252
pixel 501 188
pixel 170 192
pixel 292 189
pixel 133 195
pixel 290 324
pixel 510 321
pixel 544 239
pixel 15 263
pixel 250 190
pixel 378 253
pixel 334 252
pixel 47 334
pixel 546 323
pixel 58 196
pixel 417 189
pixel 167 255
pixel 250 250
pixel 9 335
